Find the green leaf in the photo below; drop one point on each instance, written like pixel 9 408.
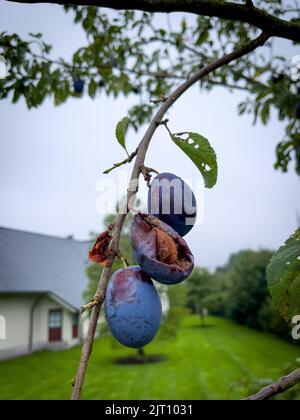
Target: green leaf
pixel 265 111
pixel 93 86
pixel 286 254
pixel 58 97
pixel 121 130
pixel 283 275
pixel 16 95
pixel 201 153
pixel 183 25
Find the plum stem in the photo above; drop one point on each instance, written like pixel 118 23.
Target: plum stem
pixel 140 154
pixel 122 258
pixel 165 123
pixel 124 261
pixel 146 171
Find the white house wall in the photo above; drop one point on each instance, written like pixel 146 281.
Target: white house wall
pixel 16 309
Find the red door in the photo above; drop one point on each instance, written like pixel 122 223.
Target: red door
pixel 55 325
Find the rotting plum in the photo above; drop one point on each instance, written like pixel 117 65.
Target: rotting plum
pixel 133 308
pixel 159 250
pixel 172 201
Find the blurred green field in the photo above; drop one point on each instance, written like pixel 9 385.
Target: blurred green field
pixel 201 364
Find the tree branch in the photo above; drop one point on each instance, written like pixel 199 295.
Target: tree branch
pixel 132 190
pixel 277 387
pixel 221 9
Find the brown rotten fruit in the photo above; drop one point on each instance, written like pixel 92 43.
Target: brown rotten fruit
pixel 99 254
pixel 160 251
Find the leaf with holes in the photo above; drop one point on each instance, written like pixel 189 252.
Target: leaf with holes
pixel 121 130
pixel 201 153
pixel 283 275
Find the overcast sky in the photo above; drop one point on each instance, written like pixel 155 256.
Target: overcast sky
pixel 51 159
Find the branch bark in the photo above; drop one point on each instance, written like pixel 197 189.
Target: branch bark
pixel 277 387
pixel 133 187
pixel 221 9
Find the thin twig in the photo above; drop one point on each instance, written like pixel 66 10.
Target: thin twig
pixel 138 165
pixel 123 162
pixel 90 305
pixel 158 101
pixel 277 387
pixel 122 258
pixel 165 123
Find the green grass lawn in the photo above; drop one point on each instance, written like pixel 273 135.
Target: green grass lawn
pixel 201 364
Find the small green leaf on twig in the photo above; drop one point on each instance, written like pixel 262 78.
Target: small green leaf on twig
pixel 201 153
pixel 121 130
pixel 283 275
pixel 93 86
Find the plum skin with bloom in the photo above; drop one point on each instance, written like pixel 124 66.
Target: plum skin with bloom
pixel 132 307
pixel 171 200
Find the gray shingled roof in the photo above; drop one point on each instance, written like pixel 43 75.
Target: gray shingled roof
pixel 32 262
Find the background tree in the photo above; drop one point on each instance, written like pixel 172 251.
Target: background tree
pixel 249 288
pixel 177 310
pixel 218 292
pixel 239 291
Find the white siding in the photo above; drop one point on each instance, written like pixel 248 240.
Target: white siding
pixel 16 309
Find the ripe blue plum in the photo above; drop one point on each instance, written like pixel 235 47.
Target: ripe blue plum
pixel 78 85
pixel 171 200
pixel 160 251
pixel 133 308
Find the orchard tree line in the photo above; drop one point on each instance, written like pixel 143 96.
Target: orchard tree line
pixel 239 291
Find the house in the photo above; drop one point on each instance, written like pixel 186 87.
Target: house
pixel 42 280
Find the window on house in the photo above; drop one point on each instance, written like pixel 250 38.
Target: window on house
pixel 55 325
